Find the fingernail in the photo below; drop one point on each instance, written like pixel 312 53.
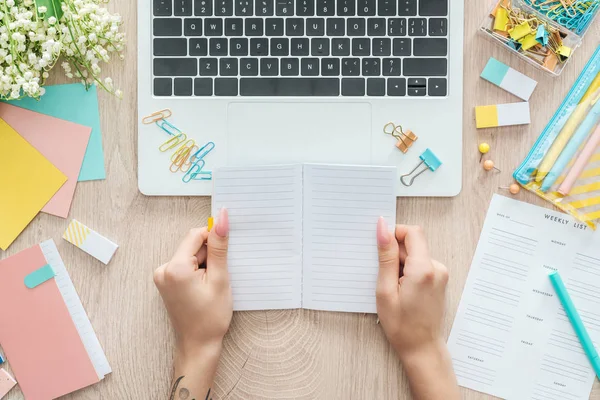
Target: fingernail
pixel 222 228
pixel 383 236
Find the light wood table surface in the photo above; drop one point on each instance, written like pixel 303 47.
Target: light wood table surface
pixel 296 354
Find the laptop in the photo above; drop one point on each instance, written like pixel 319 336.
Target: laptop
pixel 295 81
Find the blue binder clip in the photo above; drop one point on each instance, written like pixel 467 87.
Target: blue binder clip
pixel 430 161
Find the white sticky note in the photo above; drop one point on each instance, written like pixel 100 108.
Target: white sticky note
pixel 90 241
pixel 509 79
pixel 513 114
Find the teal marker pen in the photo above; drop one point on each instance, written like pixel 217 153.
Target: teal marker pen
pixel 582 334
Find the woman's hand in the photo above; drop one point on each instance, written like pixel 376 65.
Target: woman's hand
pixel 410 304
pixel 199 304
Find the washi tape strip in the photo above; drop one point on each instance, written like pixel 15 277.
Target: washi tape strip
pixel 502 115
pixel 39 276
pixel 509 79
pixel 90 241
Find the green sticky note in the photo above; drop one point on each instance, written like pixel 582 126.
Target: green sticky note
pixel 73 103
pixel 39 276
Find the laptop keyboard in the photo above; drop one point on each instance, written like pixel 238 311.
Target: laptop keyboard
pixel 300 48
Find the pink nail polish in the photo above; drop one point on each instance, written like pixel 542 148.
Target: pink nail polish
pixel 222 228
pixel 383 236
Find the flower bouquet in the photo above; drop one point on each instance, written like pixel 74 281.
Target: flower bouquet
pixel 34 35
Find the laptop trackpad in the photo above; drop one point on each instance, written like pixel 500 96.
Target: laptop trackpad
pixel 271 133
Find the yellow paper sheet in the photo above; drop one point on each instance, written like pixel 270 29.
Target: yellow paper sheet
pixel 27 182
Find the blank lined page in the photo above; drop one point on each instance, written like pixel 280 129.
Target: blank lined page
pixel 265 235
pixel 341 207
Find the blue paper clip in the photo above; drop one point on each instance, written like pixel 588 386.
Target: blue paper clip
pixel 203 151
pixel 168 127
pixel 196 173
pixel 431 162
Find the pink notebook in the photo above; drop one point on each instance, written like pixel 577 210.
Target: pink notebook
pixel 45 333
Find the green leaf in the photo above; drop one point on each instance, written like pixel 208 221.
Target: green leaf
pixel 53 7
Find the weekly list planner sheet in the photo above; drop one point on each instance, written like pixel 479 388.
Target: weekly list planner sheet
pixel 511 337
pixel 304 236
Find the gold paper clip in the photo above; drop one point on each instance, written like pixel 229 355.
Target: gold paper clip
pixel 181 155
pixel 172 142
pixel 405 139
pixel 156 116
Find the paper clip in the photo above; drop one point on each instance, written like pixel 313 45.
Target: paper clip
pixel 203 151
pixel 181 155
pixel 168 127
pixel 195 171
pixel 157 116
pixel 431 162
pixel 172 142
pixel 185 167
pixel 405 139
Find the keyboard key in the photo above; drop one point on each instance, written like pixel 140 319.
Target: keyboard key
pixel 280 47
pixel 290 86
pixel 381 47
pixel 183 87
pixel 167 27
pixel 402 47
pixel 163 8
pixel 356 27
pixel 361 47
pixel 330 66
pixel 319 47
pixel 351 66
pixel 163 86
pixel 274 27
pixel 438 87
pixel 417 82
pixel 208 67
pixel 254 27
pixel 309 67
pixel 243 8
pixel 353 86
pixel 234 27
pixel 198 47
pixel 392 66
pixel 417 27
pixel 305 8
pixel 431 47
pixel 300 47
pixel 376 27
pixel 340 47
pixel 290 67
pixel 226 87
pixel 182 8
pixel 371 67
pixel 376 87
pixel 269 67
pixel 294 27
pixel 238 47
pixel 396 87
pixel 224 8
pixel 425 67
pixel 315 27
pixel 438 27
pixel 203 8
pixel 213 27
pixel 407 8
pixel 366 8
pixel 218 47
pixel 192 27
pixel 228 67
pixel 397 26
pixel 433 8
pixel 265 8
pixel 175 67
pixel 203 87
pixel 386 8
pixel 346 8
pixel 284 8
pixel 417 91
pixel 249 67
pixel 259 47
pixel 170 47
pixel 336 27
pixel 325 8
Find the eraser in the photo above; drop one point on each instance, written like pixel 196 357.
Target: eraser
pixel 90 241
pixel 39 276
pixel 7 382
pixel 509 79
pixel 502 115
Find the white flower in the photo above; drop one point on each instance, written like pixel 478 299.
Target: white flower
pixel 41 10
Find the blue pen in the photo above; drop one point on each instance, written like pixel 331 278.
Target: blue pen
pixel 571 311
pixel 583 132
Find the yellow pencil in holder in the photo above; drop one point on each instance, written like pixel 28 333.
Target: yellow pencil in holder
pixel 172 142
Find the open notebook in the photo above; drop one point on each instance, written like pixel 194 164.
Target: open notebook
pixel 304 236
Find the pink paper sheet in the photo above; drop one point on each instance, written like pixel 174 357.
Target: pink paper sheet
pixel 63 143
pixel 37 333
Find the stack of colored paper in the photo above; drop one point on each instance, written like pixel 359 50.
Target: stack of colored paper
pixel 46 147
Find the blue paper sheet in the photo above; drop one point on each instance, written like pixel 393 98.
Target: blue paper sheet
pixel 73 103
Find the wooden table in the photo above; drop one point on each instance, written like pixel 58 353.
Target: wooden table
pixel 295 354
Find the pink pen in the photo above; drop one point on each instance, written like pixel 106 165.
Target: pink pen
pixel 582 160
